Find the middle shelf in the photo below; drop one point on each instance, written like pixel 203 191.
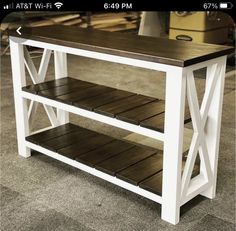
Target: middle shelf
pixel 130 107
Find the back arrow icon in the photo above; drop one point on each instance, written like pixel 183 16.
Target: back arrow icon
pixel 18 30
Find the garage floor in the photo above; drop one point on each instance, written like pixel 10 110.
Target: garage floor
pixel 39 193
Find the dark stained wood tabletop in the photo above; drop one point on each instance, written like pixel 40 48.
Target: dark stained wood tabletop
pixel 159 50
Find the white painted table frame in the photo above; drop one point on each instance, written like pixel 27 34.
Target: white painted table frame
pixel 177 188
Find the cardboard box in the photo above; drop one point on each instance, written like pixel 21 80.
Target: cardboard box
pixel 200 27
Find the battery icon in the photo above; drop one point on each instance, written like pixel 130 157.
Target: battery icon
pixel 226 5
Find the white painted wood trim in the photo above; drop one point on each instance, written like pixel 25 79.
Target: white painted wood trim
pixel 41 130
pixel 201 118
pixel 173 142
pixel 197 185
pixel 51 115
pixel 21 109
pixel 36 77
pixel 213 125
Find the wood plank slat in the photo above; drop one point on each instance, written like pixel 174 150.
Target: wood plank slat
pixel 104 152
pixel 154 183
pixel 99 100
pixel 157 122
pixel 143 112
pixel 123 105
pixel 71 97
pixel 66 89
pixel 68 139
pixel 85 145
pixel 52 133
pixel 49 84
pixel 142 170
pixel 124 160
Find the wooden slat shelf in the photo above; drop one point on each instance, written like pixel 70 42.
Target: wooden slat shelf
pixel 138 165
pixel 130 107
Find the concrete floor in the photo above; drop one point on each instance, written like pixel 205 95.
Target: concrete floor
pixel 39 193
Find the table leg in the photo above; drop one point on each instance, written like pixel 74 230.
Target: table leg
pixel 173 142
pixel 21 109
pixel 60 62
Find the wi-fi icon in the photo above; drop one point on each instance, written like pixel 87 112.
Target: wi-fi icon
pixel 58 5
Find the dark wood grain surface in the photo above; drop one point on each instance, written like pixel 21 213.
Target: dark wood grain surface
pixel 84 145
pixel 157 122
pixel 138 165
pixel 142 112
pixel 142 170
pixel 103 99
pixel 153 183
pixel 100 154
pixel 57 91
pixel 124 160
pixel 130 107
pixel 76 95
pixel 118 106
pixel 49 84
pixel 39 138
pixel 159 50
pixel 68 139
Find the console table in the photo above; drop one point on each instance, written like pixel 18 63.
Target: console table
pixel 162 176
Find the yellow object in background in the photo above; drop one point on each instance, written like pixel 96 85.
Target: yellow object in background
pixel 206 27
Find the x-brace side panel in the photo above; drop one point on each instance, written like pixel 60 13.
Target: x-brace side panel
pixel 38 77
pixel 200 116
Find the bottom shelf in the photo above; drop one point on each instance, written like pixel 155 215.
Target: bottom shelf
pixel 137 165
